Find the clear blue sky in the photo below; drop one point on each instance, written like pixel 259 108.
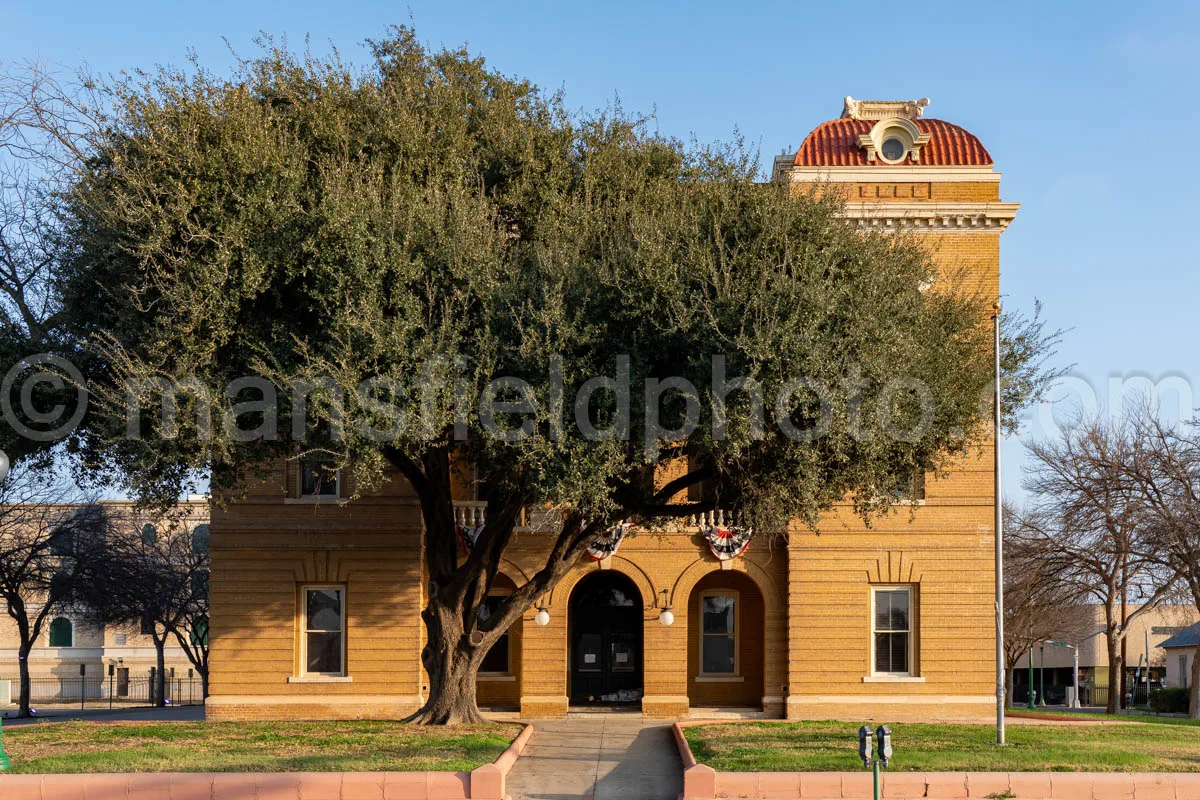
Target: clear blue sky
pixel 1090 109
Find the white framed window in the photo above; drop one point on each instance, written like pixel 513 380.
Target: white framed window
pixel 319 479
pixel 892 631
pixel 323 631
pixel 718 620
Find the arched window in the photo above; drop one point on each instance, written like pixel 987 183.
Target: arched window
pixel 62 542
pixel 149 534
pixel 199 635
pixel 61 633
pixel 200 539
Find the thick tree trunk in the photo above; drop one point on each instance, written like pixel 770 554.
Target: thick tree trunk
pixel 25 690
pixel 160 658
pixel 452 662
pixel 1115 667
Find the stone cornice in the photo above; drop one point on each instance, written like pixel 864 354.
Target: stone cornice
pixel 785 169
pixel 938 217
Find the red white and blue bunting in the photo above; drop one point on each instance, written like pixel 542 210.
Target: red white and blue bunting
pixel 608 542
pixel 726 543
pixel 468 535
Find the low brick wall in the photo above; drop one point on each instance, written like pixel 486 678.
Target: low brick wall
pixel 701 782
pixel 484 783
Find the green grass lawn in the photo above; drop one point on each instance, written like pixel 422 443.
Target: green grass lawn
pixel 833 746
pixel 252 747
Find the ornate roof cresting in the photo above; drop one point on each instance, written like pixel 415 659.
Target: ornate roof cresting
pixel 882 109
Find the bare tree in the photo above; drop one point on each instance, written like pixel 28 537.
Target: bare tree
pixel 45 124
pixel 1035 597
pixel 154 572
pixel 1164 471
pixel 46 527
pixel 1089 527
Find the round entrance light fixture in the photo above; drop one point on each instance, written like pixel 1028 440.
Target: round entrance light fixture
pixel 542 617
pixel 666 617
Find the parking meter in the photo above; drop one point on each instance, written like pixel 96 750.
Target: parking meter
pixel 883 740
pixel 864 745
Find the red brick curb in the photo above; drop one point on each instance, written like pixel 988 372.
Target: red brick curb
pixel 701 782
pixel 483 783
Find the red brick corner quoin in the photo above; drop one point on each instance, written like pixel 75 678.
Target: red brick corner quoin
pixel 483 783
pixel 701 782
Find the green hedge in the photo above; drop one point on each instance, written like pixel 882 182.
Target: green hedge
pixel 1171 701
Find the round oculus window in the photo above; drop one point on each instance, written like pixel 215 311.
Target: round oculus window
pixel 892 149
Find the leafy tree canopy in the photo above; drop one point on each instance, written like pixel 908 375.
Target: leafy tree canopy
pixel 434 264
pixel 434 225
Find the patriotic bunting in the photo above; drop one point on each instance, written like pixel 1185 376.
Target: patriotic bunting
pixel 726 543
pixel 468 535
pixel 608 542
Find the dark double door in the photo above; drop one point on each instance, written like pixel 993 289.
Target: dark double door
pixel 606 617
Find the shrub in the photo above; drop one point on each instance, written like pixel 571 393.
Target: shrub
pixel 1173 700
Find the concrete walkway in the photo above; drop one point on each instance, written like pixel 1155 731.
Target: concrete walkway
pixel 599 756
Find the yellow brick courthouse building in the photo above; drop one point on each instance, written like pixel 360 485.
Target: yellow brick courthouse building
pixel 316 603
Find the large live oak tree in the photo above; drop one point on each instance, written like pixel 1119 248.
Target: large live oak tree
pixel 427 225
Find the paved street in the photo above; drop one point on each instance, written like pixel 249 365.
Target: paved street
pixel 176 714
pixel 598 757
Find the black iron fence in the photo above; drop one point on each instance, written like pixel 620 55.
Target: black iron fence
pixel 1056 695
pixel 96 691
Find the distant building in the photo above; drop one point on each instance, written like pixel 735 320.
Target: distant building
pixel 1083 626
pixel 1180 652
pixel 69 643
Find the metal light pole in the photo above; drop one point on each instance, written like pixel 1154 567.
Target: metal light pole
pixel 5 762
pixel 1075 674
pixel 1029 695
pixel 1042 672
pixel 1147 632
pixel 1000 665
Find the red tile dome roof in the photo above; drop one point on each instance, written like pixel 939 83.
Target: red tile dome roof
pixel 835 144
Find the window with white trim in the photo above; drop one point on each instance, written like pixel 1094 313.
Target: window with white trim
pixel 319 478
pixel 892 630
pixel 718 633
pixel 323 627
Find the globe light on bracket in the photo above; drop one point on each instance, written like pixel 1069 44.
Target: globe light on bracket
pixel 666 617
pixel 542 617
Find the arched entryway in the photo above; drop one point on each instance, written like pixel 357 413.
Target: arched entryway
pixel 726 632
pixel 606 613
